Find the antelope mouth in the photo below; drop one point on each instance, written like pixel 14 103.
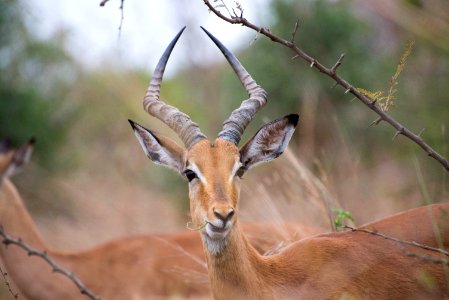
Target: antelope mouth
pixel 217 232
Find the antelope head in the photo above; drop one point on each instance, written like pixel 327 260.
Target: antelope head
pixel 212 168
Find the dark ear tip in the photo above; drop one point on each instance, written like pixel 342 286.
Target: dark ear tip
pixel 32 140
pixel 132 123
pixel 293 119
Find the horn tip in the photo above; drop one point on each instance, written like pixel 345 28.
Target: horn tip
pixel 179 34
pixel 207 32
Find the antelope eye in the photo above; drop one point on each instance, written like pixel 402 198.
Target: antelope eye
pixel 190 175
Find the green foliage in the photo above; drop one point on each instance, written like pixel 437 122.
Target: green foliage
pixel 340 218
pixel 33 81
pixel 426 280
pixel 385 100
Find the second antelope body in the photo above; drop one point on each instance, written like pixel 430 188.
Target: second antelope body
pixel 349 265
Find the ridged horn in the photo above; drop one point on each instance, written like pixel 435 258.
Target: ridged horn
pixel 235 125
pixel 179 122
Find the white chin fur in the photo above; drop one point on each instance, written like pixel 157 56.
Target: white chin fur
pixel 214 246
pixel 215 241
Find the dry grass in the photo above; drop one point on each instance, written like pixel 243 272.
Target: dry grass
pixel 115 191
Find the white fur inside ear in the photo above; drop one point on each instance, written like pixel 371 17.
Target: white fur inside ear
pixel 21 157
pixel 268 143
pixel 287 138
pixel 143 143
pixel 156 151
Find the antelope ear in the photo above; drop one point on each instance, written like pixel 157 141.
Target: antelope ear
pixel 269 142
pixel 17 159
pixel 160 149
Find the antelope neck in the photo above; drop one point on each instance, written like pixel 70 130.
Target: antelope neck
pixel 232 272
pixel 13 216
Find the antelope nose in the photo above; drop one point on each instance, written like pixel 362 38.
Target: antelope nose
pixel 224 214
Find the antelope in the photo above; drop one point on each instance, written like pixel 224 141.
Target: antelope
pixel 137 267
pixel 350 264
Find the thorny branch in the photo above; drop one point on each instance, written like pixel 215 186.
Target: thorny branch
pixel 8 240
pixel 437 261
pixel 103 2
pixel 122 14
pixel 8 285
pixel 331 72
pixel 411 243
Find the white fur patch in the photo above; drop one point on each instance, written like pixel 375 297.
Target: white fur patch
pixel 214 247
pixel 194 168
pixel 235 168
pixel 155 151
pixel 164 158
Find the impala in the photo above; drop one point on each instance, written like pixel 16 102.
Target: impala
pixel 335 265
pixel 139 267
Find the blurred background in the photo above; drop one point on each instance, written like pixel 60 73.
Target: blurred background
pixel 71 79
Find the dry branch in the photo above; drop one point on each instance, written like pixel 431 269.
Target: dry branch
pixel 437 261
pixel 8 285
pixel 331 72
pixel 103 2
pixel 122 14
pixel 8 240
pixel 411 243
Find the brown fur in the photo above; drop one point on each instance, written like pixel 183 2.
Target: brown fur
pixel 139 267
pixel 5 160
pixel 353 265
pixel 349 264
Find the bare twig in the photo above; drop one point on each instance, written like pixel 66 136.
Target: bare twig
pixel 411 243
pixel 226 7
pixel 8 285
pixel 122 16
pixel 338 63
pixel 396 134
pixel 437 261
pixel 376 122
pixel 103 2
pixel 294 32
pixel 7 240
pixel 421 132
pixel 383 115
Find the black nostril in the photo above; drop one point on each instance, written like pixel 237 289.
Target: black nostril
pixel 224 218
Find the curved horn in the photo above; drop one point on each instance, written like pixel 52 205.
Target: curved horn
pixel 235 125
pixel 179 122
